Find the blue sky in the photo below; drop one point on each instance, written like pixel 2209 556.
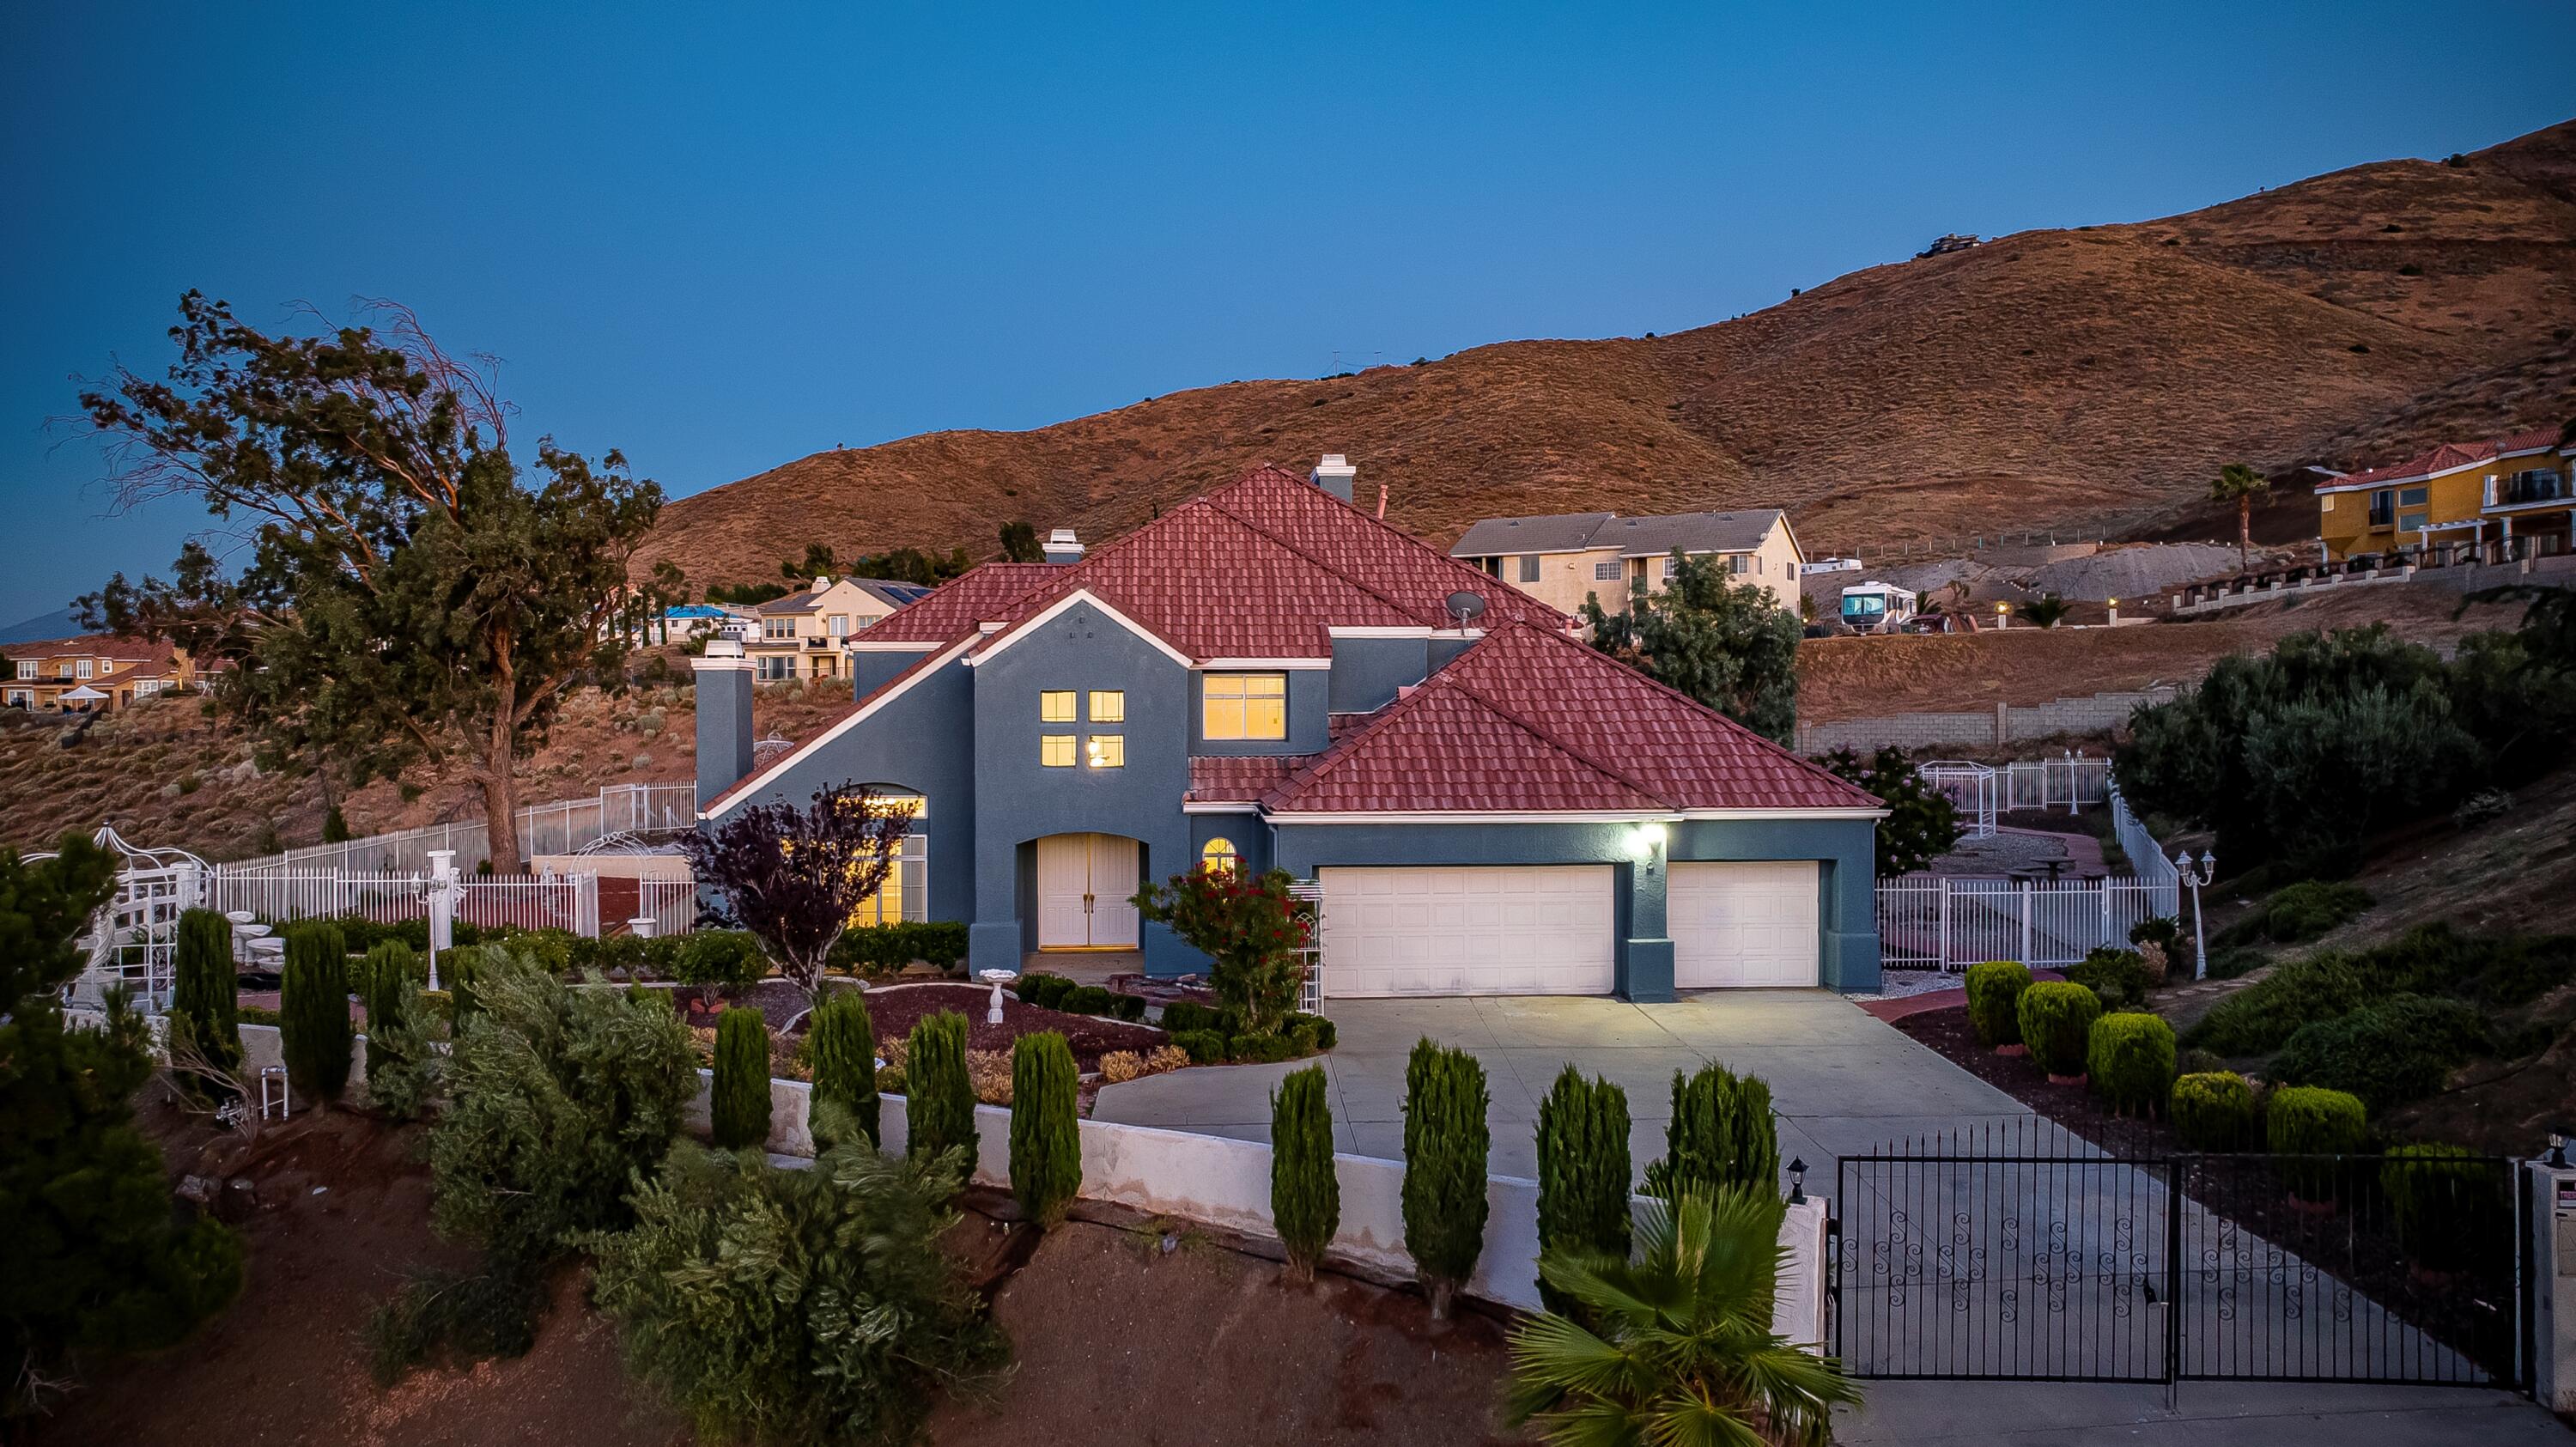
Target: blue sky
pixel 723 237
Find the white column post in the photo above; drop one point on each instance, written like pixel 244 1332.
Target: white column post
pixel 2025 921
pixel 443 889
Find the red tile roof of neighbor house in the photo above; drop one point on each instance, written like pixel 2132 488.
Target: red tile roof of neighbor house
pixel 979 595
pixel 94 645
pixel 2448 457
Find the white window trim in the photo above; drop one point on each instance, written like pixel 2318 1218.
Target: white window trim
pixel 999 645
pixel 1268 665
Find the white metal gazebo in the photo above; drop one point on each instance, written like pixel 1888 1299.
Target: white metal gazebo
pixel 1971 790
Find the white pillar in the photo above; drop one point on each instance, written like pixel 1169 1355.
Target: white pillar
pixel 2552 1188
pixel 443 889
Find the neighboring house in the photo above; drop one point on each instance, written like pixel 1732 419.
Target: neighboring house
pixel 1560 560
pixel 804 634
pixel 685 621
pixel 98 671
pixel 2513 492
pixel 1267 677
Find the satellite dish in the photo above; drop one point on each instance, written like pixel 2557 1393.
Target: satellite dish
pixel 1464 606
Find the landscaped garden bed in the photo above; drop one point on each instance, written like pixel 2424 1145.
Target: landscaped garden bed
pixel 894 1009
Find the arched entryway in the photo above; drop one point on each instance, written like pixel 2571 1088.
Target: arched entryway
pixel 1086 884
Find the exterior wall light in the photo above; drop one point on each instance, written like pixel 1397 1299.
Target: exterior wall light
pixel 1645 839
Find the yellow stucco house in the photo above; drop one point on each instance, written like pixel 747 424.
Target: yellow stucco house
pixel 1562 558
pixel 2510 497
pixel 804 634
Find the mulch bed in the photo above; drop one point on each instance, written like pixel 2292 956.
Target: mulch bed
pixel 778 1002
pixel 2075 1107
pixel 894 1010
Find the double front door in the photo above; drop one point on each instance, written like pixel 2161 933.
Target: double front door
pixel 1086 885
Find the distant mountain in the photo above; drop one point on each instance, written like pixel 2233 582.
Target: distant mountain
pixel 64 624
pixel 2069 380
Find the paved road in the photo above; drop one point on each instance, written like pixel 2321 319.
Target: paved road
pixel 2204 1414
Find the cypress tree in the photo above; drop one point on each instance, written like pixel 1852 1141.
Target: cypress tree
pixel 740 1098
pixel 843 1042
pixel 1046 1135
pixel 1721 1135
pixel 1305 1194
pixel 313 1011
pixel 1445 1147
pixel 1583 1171
pixel 389 978
pixel 204 1004
pixel 940 1115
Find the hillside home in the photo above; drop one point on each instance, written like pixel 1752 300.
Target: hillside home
pixel 2513 492
pixel 1267 677
pixel 803 634
pixel 91 673
pixel 1562 559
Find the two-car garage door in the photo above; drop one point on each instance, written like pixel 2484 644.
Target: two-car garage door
pixel 1532 930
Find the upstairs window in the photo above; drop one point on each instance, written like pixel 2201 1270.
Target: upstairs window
pixel 2383 508
pixel 1055 706
pixel 1109 705
pixel 1055 751
pixel 1107 751
pixel 1244 706
pixel 1529 567
pixel 774 629
pixel 2413 496
pixel 1606 572
pixel 81 669
pixel 26 668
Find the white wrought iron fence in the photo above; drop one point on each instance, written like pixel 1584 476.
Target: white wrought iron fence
pixel 2071 782
pixel 560 827
pixel 1947 922
pixel 2146 856
pixel 284 894
pixel 672 905
pixel 1310 998
pixel 1971 790
pixel 565 901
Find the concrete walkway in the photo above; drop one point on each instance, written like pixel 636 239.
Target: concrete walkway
pixel 1843 1082
pixel 2205 1414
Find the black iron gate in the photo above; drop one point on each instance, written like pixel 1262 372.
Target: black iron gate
pixel 1954 1260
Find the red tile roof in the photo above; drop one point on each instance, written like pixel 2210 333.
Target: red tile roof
pixel 94 645
pixel 978 595
pixel 1529 720
pixel 1240 779
pixel 2448 457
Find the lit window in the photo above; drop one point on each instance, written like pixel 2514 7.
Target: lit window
pixel 1219 857
pixel 1606 572
pixel 1244 706
pixel 1055 706
pixel 1108 751
pixel 1108 705
pixel 1055 751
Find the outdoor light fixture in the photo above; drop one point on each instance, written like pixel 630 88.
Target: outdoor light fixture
pixel 2187 878
pixel 1643 839
pixel 2558 1148
pixel 1797 1181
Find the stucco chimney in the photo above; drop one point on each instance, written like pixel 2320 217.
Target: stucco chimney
pixel 1334 475
pixel 1061 547
pixel 724 717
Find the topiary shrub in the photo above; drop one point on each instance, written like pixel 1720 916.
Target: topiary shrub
pixel 1182 1015
pixel 1721 1135
pixel 1046 1135
pixel 1084 1000
pixel 1994 997
pixel 2399 1049
pixel 1583 1172
pixel 2131 1060
pixel 399 1058
pixel 1446 1144
pixel 1320 1029
pixel 1043 990
pixel 2445 1201
pixel 939 1111
pixel 2308 1121
pixel 1205 1047
pixel 2056 1019
pixel 2120 977
pixel 842 1042
pixel 739 1105
pixel 2213 1111
pixel 1305 1193
pixel 313 1005
pixel 205 1010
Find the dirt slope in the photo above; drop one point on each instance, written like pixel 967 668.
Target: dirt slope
pixel 2076 380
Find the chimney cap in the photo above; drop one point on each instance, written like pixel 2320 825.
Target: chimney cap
pixel 1336 465
pixel 1060 535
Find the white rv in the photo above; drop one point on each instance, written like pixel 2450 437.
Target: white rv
pixel 1878 607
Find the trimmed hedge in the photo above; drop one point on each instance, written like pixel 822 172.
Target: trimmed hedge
pixel 2259 1017
pixel 2307 1120
pixel 1446 1145
pixel 1182 1015
pixel 1994 998
pixel 1720 1136
pixel 2120 977
pixel 739 1103
pixel 1046 1134
pixel 2302 911
pixel 1205 1047
pixel 841 1042
pixel 2444 1199
pixel 1041 989
pixel 1323 1033
pixel 1305 1193
pixel 720 959
pixel 313 1005
pixel 1583 1171
pixel 2213 1111
pixel 940 1111
pixel 2056 1019
pixel 939 944
pixel 2387 1053
pixel 1261 1049
pixel 2131 1059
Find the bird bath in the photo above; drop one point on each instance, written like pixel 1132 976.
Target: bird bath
pixel 999 978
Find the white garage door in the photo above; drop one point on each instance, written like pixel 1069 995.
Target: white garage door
pixel 1742 924
pixel 1499 931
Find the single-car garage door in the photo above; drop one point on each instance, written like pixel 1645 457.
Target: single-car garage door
pixel 1742 923
pixel 1488 931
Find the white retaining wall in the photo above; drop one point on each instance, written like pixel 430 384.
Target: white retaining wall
pixel 2002 724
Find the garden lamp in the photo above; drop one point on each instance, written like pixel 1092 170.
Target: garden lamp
pixel 2185 875
pixel 2558 1148
pixel 1798 1179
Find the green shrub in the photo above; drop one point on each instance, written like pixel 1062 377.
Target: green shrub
pixel 1046 1134
pixel 2213 1111
pixel 1994 997
pixel 1261 1049
pixel 2259 1017
pixel 2229 964
pixel 1305 1194
pixel 2131 1060
pixel 940 1110
pixel 842 1042
pixel 205 1008
pixel 2164 931
pixel 2445 1201
pixel 314 1004
pixel 1043 990
pixel 560 951
pixel 2389 1052
pixel 1130 1008
pixel 400 1062
pixel 2056 1018
pixel 2119 977
pixel 1301 1035
pixel 738 1104
pixel 1446 1144
pixel 854 1345
pixel 880 948
pixel 259 1015
pixel 2434 959
pixel 1205 1047
pixel 1583 1171
pixel 1084 1000
pixel 2311 907
pixel 720 959
pixel 1182 1015
pixel 1721 1135
pixel 642 957
pixel 2310 1121
pixel 1324 1033
pixel 452 1316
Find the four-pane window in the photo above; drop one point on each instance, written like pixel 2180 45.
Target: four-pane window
pixel 1108 751
pixel 1055 751
pixel 1606 572
pixel 1055 706
pixel 1244 706
pixel 1108 705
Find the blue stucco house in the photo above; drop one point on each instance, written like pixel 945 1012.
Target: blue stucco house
pixel 1267 676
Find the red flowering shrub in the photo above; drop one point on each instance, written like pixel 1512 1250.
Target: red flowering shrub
pixel 1251 926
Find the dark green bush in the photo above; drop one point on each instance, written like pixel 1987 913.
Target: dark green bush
pixel 939 1112
pixel 2131 1060
pixel 2213 1111
pixel 2229 964
pixel 452 1317
pixel 2309 908
pixel 1583 1171
pixel 2446 1201
pixel 558 950
pixel 2388 1052
pixel 739 1099
pixel 1305 1193
pixel 387 979
pixel 1043 990
pixel 720 959
pixel 1300 1034
pixel 2056 1018
pixel 1721 1135
pixel 1130 1008
pixel 1046 1132
pixel 1084 1000
pixel 880 948
pixel 2164 931
pixel 1994 998
pixel 642 957
pixel 1205 1047
pixel 314 1005
pixel 2434 959
pixel 2309 1121
pixel 1261 1049
pixel 1324 1033
pixel 2262 1015
pixel 259 1015
pixel 1446 1145
pixel 2119 977
pixel 205 1009
pixel 842 1042
pixel 1182 1015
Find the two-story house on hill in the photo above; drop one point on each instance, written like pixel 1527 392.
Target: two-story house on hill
pixel 803 634
pixel 1266 676
pixel 94 672
pixel 2516 493
pixel 1564 558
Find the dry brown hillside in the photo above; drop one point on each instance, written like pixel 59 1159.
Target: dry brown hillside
pixel 2073 380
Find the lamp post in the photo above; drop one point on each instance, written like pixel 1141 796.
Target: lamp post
pixel 2115 613
pixel 2199 934
pixel 2003 615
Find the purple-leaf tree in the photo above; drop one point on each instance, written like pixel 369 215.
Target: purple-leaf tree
pixel 794 877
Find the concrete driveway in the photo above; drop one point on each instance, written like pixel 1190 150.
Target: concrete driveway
pixel 1843 1082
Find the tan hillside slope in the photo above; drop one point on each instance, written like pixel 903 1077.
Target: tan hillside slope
pixel 2070 379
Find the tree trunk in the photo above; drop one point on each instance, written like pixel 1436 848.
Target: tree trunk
pixel 501 818
pixel 2245 533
